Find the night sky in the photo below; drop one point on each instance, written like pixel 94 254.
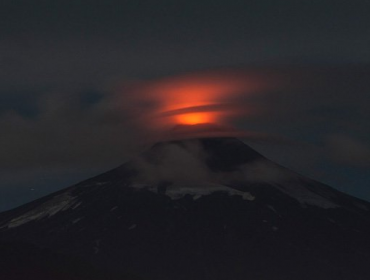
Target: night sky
pixel 68 70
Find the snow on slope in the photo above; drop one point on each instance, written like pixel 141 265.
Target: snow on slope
pixel 58 203
pixel 286 181
pixel 178 170
pixel 196 190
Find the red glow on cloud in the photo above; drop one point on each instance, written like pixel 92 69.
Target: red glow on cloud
pixel 217 97
pixel 196 118
pixel 196 93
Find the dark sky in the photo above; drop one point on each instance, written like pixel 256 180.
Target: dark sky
pixel 61 60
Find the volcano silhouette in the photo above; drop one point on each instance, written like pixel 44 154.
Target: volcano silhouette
pixel 194 209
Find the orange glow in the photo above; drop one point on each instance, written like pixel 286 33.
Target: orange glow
pixel 207 97
pixel 195 118
pixel 199 95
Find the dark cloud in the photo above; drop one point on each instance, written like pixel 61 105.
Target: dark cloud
pixel 65 133
pixel 89 43
pixel 128 20
pixel 348 150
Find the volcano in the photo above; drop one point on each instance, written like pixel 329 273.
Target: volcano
pixel 206 208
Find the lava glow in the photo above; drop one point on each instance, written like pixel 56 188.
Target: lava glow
pixel 216 97
pixel 196 118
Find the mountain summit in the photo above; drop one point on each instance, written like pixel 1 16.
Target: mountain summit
pixel 206 208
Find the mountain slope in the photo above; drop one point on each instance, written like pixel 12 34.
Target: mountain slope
pixel 210 208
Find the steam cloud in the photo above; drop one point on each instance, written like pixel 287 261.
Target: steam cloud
pixel 180 165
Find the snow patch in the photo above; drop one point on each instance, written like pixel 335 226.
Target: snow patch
pixel 196 190
pixel 197 196
pixel 76 205
pixel 272 208
pixel 305 196
pixel 248 196
pixel 49 208
pixel 287 181
pixel 264 171
pixel 77 220
pixel 132 227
